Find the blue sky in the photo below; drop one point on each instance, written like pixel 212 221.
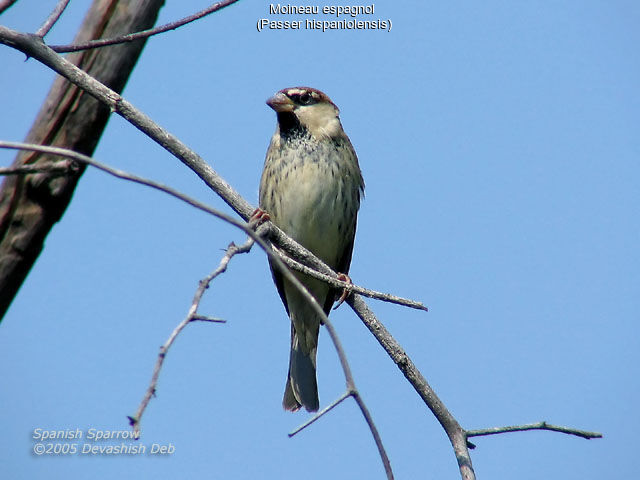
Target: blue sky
pixel 499 144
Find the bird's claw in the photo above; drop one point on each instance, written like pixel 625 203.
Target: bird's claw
pixel 258 217
pixel 345 291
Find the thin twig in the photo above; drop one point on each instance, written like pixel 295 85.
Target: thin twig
pixel 63 166
pixel 533 426
pixel 4 4
pixel 325 410
pixel 365 292
pixel 52 19
pixel 191 314
pixel 63 152
pixel 143 34
pixel 204 318
pixel 374 431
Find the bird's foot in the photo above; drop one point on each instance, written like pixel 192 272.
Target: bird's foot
pixel 258 217
pixel 345 291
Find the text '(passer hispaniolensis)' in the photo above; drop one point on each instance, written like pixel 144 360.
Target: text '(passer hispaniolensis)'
pixel 330 18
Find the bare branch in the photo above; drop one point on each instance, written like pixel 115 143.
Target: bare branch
pixel 365 292
pixel 204 318
pixel 53 18
pixel 454 431
pixel 5 4
pixel 104 42
pixel 191 316
pixel 325 410
pixel 62 167
pixel 63 152
pixel 533 426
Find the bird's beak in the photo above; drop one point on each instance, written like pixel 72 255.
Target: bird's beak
pixel 280 103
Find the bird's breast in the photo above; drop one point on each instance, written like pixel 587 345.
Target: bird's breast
pixel 312 194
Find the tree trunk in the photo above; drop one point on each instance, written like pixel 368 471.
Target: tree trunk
pixel 31 204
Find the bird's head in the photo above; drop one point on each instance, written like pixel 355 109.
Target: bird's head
pixel 306 108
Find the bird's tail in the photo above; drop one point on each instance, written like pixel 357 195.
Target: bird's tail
pixel 302 386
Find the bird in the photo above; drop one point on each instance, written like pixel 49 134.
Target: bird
pixel 311 188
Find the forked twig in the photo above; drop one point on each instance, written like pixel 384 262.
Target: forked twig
pixel 130 37
pixel 191 316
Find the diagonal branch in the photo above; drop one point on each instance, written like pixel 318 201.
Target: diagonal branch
pixel 5 4
pixel 321 413
pixel 52 19
pixel 456 434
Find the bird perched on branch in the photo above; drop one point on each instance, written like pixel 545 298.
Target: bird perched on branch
pixel 311 188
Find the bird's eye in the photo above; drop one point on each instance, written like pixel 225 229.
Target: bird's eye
pixel 305 98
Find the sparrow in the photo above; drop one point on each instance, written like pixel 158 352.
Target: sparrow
pixel 311 188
